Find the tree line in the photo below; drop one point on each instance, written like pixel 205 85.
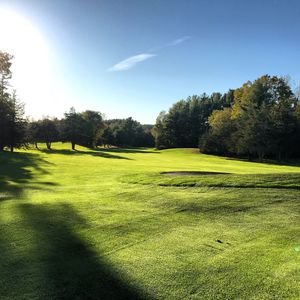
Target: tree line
pixel 259 119
pixel 187 120
pixel 87 128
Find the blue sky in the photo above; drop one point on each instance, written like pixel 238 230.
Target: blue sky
pixel 136 58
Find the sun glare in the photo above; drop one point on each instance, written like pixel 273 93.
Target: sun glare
pixel 32 74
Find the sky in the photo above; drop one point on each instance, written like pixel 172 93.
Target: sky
pixel 135 58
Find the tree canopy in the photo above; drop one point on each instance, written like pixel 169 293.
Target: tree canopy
pixel 263 121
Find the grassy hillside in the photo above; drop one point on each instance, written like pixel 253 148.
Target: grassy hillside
pixel 107 225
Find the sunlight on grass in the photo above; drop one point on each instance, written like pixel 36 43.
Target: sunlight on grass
pixel 107 224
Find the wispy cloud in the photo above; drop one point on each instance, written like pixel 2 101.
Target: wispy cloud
pixel 179 41
pixel 171 44
pixel 130 62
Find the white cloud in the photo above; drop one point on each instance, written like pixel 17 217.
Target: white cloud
pixel 130 62
pixel 171 44
pixel 179 41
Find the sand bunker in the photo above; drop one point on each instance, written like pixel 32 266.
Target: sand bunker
pixel 192 173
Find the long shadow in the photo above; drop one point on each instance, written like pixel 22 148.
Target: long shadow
pixel 127 150
pixel 81 152
pixel 230 209
pixel 278 187
pixel 15 175
pixel 60 264
pixel 293 163
pixel 280 181
pixel 104 155
pixel 232 186
pixel 192 173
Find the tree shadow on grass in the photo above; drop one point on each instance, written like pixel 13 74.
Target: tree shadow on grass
pixel 278 187
pixel 192 173
pixel 15 175
pixel 60 264
pixel 81 152
pixel 127 150
pixel 272 162
pixel 280 181
pixel 233 208
pixel 230 186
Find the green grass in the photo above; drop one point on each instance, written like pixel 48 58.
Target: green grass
pixel 106 224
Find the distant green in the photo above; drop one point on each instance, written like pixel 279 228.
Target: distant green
pixel 105 224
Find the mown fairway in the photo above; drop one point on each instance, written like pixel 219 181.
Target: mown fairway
pixel 106 225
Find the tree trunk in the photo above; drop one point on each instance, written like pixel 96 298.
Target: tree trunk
pixel 36 145
pixel 73 145
pixel 11 148
pixel 279 155
pixel 48 145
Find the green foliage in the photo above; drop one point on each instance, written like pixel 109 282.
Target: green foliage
pixel 43 131
pixel 5 71
pixel 187 120
pixel 160 132
pixel 12 121
pixel 127 132
pixel 259 119
pixel 262 122
pixel 93 125
pixel 89 129
pixel 218 140
pixel 82 128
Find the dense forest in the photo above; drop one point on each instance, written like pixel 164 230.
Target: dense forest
pixel 260 119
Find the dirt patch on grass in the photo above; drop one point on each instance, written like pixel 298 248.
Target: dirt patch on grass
pixel 192 173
